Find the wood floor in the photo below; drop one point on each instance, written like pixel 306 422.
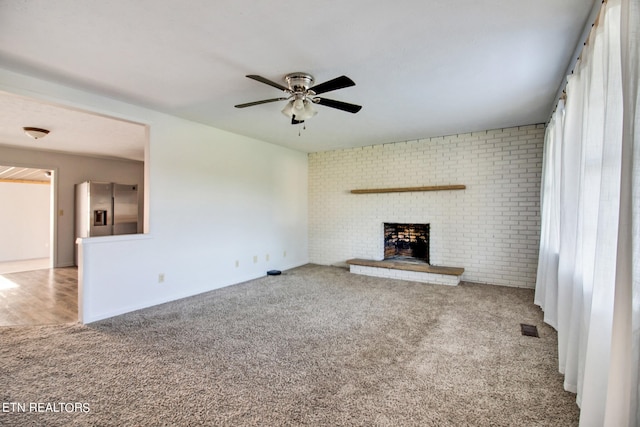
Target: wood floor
pixel 39 297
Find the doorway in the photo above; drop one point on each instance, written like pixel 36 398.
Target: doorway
pixel 26 218
pixel 32 292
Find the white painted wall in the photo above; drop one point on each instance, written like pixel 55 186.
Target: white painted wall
pixel 491 229
pixel 24 221
pixel 70 170
pixel 214 198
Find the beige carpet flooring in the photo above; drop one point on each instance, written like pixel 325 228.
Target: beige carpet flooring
pixel 316 346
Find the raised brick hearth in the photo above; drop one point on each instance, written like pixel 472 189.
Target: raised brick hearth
pixel 417 272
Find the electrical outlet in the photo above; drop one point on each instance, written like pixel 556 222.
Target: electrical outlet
pixel 267 257
pixel 255 259
pixel 284 254
pixel 161 278
pixel 237 263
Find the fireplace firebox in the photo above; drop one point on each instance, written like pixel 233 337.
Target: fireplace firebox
pixel 406 242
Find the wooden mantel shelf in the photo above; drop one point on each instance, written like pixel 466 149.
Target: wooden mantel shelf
pixel 407 189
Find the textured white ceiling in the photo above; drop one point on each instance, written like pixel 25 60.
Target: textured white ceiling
pixel 422 67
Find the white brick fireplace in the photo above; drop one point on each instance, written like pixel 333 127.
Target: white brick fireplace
pixel 491 228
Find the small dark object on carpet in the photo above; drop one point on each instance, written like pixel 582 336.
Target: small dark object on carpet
pixel 529 330
pixel 273 273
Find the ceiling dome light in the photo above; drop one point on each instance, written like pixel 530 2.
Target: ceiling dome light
pixel 35 133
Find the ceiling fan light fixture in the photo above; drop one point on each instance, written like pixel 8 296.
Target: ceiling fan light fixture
pixel 307 112
pixel 298 105
pixel 35 133
pixel 304 112
pixel 288 109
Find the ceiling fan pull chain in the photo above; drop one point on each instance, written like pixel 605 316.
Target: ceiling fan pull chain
pixel 304 127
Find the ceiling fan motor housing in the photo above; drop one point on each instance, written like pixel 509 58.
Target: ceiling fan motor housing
pixel 299 82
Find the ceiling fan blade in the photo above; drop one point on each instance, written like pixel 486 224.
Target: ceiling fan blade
pixel 267 82
pixel 264 101
pixel 337 83
pixel 344 106
pixel 296 122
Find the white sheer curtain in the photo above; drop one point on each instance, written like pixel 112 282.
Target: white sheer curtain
pixel 588 281
pixel 625 361
pixel 547 296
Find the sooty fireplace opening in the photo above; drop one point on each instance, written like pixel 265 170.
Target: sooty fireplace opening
pixel 406 242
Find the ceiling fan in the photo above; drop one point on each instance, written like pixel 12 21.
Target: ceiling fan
pixel 302 95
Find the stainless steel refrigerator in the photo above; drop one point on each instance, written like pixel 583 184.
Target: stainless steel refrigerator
pixel 105 208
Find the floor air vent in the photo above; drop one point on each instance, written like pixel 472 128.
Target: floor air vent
pixel 529 330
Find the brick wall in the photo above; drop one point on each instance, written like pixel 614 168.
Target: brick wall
pixel 491 229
